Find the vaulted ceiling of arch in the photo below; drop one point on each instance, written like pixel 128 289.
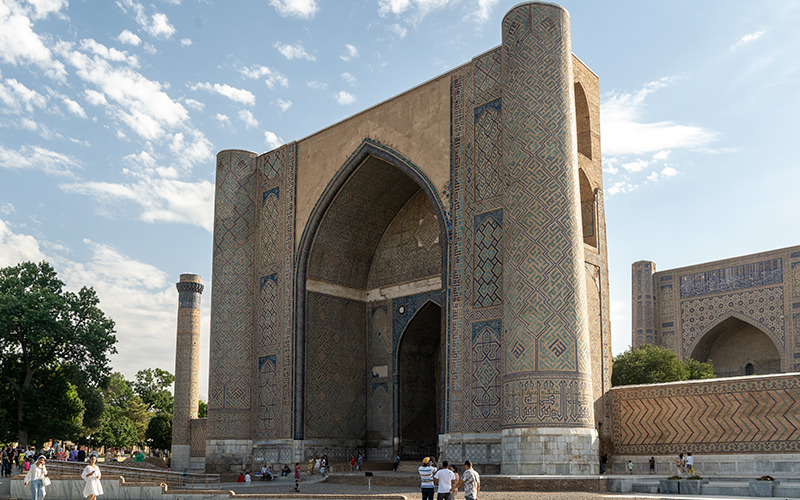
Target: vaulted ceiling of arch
pixel 354 223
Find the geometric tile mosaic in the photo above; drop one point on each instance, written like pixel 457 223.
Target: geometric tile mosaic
pixel 488 150
pixel 486 347
pixel 761 308
pixel 488 267
pixel 732 278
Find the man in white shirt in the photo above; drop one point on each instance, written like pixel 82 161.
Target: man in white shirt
pixel 471 481
pixel 426 472
pixel 444 478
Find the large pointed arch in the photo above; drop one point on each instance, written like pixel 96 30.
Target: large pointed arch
pixel 368 151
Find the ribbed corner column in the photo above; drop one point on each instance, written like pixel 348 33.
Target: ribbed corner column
pixel 548 420
pixel 187 369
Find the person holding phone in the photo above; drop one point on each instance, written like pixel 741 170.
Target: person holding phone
pixel 91 474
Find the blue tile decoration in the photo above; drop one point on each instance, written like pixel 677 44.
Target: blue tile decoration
pixel 763 273
pixel 403 311
pixel 486 376
pixel 488 267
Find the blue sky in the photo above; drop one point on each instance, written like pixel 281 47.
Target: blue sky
pixel 111 114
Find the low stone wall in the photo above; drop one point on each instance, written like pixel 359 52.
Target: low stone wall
pixel 738 415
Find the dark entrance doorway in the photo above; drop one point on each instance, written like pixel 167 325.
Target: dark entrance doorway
pixel 419 369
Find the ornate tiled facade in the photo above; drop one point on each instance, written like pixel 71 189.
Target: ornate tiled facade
pixel 465 231
pixel 750 300
pixel 721 416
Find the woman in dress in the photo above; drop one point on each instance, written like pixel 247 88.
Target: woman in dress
pixel 35 477
pixel 91 474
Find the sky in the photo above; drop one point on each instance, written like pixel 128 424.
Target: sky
pixel 111 114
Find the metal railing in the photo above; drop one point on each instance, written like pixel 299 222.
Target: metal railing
pixel 70 470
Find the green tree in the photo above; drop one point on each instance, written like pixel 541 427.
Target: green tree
pixel 159 431
pixel 122 404
pixel 117 432
pixel 153 386
pixel 202 409
pixel 47 332
pixel 650 364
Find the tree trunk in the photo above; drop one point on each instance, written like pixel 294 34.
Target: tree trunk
pixel 22 431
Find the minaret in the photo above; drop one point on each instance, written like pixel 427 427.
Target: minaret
pixel 643 303
pixel 548 421
pixel 187 368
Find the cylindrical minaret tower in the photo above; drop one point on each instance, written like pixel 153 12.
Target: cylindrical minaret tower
pixel 643 303
pixel 187 369
pixel 548 419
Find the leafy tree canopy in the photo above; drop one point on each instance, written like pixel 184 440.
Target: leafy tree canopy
pixel 202 409
pixel 650 364
pixel 49 338
pixel 153 386
pixel 159 431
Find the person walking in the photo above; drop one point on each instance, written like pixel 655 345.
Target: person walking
pixel 91 475
pixel 471 481
pixel 444 479
pixel 297 476
pixel 690 464
pixel 396 462
pixel 453 486
pixel 36 478
pixel 426 472
pixel 652 465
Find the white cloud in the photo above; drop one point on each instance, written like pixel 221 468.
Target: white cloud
pixel 344 98
pixel 7 209
pixel 247 117
pixel 73 107
pixel 661 155
pixel 16 96
pixel 186 42
pixel 750 37
pixel 668 172
pixel 295 51
pixel 273 77
pixel 636 165
pixel 416 9
pixel 398 30
pixel 109 53
pixel 19 44
pixel 483 10
pixel 284 105
pixel 38 158
pixel 317 85
pixel 625 132
pixel 621 187
pixel 194 104
pixel 295 8
pixel 16 248
pixel 272 140
pixel 352 52
pixel 224 119
pixel 127 95
pixel 160 199
pixel 129 38
pixel 156 25
pixel 237 95
pixel 350 79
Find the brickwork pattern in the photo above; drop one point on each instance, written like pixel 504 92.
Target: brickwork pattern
pixel 547 380
pixel 232 295
pixel 743 415
pixel 335 404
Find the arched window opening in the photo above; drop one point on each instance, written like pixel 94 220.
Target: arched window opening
pixel 583 122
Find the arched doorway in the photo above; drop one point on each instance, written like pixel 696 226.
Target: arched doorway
pixel 737 348
pixel 419 383
pixel 377 234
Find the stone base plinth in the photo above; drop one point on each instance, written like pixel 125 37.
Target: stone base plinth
pixel 181 457
pixel 550 450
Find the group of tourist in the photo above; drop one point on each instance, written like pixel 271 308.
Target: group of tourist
pixel 446 481
pixel 38 480
pixel 319 465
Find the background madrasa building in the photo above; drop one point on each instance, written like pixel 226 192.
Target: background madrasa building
pixel 427 277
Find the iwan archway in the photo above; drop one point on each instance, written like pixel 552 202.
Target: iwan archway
pixel 375 246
